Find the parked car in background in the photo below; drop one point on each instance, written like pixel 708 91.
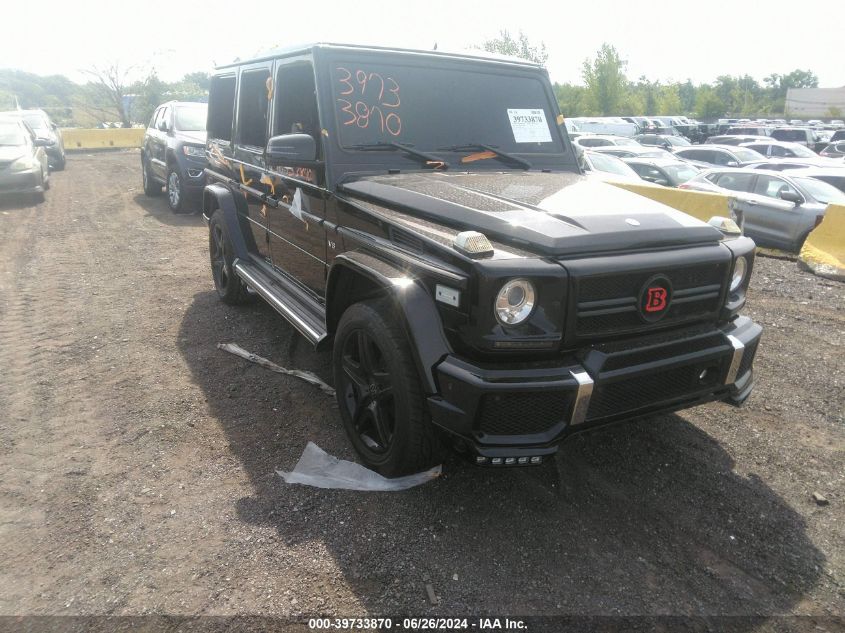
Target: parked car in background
pixel 838 135
pixel 834 150
pixel 779 209
pixel 802 135
pixel 605 166
pixel 602 140
pixel 664 141
pixel 627 151
pixel 781 164
pixel 173 153
pixel 669 172
pixel 733 139
pixel 783 149
pixel 44 128
pixel 24 167
pixel 719 155
pixel 831 175
pixel 749 130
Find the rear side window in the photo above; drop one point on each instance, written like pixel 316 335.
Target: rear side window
pixel 253 106
pixel 221 107
pixel 735 181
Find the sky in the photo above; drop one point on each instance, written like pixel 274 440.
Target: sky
pixel 671 40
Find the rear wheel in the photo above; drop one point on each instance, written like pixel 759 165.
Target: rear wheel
pixel 151 187
pixel 61 161
pixel 175 197
pixel 230 288
pixel 378 392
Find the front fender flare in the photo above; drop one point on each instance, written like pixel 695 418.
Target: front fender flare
pixel 217 196
pixel 414 306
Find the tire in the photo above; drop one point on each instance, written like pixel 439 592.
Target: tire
pixel 378 392
pixel 151 187
pixel 174 190
pixel 61 162
pixel 38 196
pixel 230 288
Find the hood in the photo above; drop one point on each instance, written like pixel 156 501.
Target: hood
pixel 545 213
pixel 9 153
pixel 197 136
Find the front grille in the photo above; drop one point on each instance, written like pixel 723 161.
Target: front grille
pixel 747 359
pixel 634 393
pixel 665 350
pixel 523 413
pixel 609 304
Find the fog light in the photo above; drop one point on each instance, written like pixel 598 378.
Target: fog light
pixel 523 460
pixel 480 459
pixel 497 461
pixel 510 461
pixel 536 460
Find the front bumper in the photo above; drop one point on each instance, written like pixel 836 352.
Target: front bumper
pixel 513 413
pixel 21 181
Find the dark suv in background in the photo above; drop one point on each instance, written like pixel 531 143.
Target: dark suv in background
pixel 173 154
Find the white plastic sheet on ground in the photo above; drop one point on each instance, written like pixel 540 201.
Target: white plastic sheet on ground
pixel 317 468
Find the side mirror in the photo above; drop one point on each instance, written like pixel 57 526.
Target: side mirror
pixel 732 163
pixel 43 142
pixel 291 148
pixel 791 196
pixel 162 126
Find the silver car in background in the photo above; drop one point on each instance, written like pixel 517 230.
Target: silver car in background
pixel 779 209
pixel 23 162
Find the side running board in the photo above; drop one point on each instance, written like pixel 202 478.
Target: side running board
pixel 307 316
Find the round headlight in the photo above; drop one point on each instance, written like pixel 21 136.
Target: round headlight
pixel 515 301
pixel 740 268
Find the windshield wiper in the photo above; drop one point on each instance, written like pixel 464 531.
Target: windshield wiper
pixel 429 160
pixel 478 147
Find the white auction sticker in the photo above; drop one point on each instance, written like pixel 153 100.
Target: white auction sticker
pixel 529 126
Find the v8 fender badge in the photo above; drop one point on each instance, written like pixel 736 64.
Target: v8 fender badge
pixel 632 221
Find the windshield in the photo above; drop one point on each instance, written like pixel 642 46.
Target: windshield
pixel 803 152
pixel 432 108
pixel 191 118
pixel 821 191
pixel 11 134
pixel 611 164
pixel 681 172
pixel 746 155
pixel 36 122
pixel 678 140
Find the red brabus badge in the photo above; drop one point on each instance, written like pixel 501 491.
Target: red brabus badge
pixel 656 299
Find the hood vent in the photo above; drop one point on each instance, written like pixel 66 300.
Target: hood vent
pixel 406 240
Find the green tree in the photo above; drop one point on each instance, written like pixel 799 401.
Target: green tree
pixel 520 47
pixel 669 101
pixel 605 80
pixel 571 99
pixel 708 104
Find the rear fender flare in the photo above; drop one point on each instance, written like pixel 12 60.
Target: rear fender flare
pixel 219 197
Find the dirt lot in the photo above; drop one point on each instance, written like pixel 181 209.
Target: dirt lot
pixel 137 461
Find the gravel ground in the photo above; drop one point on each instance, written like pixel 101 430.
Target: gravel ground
pixel 137 461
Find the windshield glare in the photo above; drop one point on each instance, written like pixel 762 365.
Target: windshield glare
pixel 804 152
pixel 36 122
pixel 746 155
pixel 611 164
pixel 431 109
pixel 11 134
pixel 681 172
pixel 191 118
pixel 821 191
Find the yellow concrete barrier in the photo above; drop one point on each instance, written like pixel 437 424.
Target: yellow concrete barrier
pixel 699 204
pixel 824 249
pixel 77 138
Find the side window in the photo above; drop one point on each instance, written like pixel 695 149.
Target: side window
pixel 154 117
pixel 165 116
pixel 253 106
pixel 296 102
pixel 722 158
pixel 221 107
pixel 595 142
pixel 771 186
pixel 777 150
pixel 735 181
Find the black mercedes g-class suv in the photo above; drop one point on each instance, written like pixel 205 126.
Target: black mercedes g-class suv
pixel 422 213
pixel 173 153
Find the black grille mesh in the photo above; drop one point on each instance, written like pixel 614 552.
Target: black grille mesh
pixel 522 413
pixel 628 395
pixel 661 352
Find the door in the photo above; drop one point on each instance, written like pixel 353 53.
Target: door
pixel 772 221
pixel 297 234
pixel 158 143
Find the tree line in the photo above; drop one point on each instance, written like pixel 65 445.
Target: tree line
pixel 109 96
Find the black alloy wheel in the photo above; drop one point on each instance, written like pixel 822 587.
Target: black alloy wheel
pixel 229 286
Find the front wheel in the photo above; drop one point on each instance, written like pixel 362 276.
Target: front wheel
pixel 378 392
